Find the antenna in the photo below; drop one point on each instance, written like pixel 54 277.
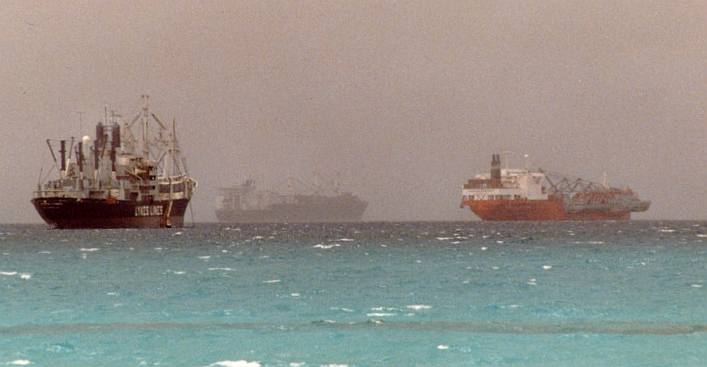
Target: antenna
pixel 145 118
pixel 174 147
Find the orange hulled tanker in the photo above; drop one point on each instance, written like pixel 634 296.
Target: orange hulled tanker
pixel 520 194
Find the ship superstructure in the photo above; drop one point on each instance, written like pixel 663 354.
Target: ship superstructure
pixel 131 175
pixel 246 204
pixel 522 194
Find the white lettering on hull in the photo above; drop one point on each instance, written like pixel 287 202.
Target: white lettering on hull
pixel 148 210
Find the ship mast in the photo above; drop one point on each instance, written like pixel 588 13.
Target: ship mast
pixel 145 120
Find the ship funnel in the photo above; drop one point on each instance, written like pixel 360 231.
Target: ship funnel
pixel 63 155
pixel 100 136
pixel 495 166
pixel 79 155
pixel 115 136
pixel 114 143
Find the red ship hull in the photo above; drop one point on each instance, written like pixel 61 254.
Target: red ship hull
pixel 535 210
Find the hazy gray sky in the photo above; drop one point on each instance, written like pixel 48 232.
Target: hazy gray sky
pixel 405 99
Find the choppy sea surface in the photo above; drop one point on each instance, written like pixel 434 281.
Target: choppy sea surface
pixel 367 294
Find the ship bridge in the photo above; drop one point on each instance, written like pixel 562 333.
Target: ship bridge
pixel 506 184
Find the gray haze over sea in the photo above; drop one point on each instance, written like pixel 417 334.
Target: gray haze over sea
pixel 402 101
pixel 367 294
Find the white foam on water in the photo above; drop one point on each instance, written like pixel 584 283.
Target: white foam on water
pixel 344 309
pixel 8 273
pixel 702 235
pixel 443 347
pixel 297 364
pixel 84 256
pixel 380 314
pixel 25 276
pixel 20 362
pixel 258 237
pixel 333 365
pixel 177 233
pixel 204 257
pixel 240 363
pixel 381 308
pixel 499 241
pixel 44 252
pixel 696 285
pixel 272 281
pixel 532 281
pixel 419 307
pixel 495 267
pixel 484 248
pixel 547 267
pixel 223 269
pixel 326 247
pixel 666 230
pixel 444 238
pixel 346 239
pixel 112 293
pixel 294 294
pixel 92 249
pixel 179 272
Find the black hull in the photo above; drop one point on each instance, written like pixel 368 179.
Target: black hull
pixel 294 214
pixel 93 213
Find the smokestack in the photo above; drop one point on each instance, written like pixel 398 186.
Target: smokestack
pixel 100 137
pixel 95 156
pixel 496 167
pixel 112 159
pixel 79 155
pixel 63 155
pixel 115 136
pixel 114 143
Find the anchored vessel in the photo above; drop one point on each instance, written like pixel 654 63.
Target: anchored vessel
pixel 245 204
pixel 521 194
pixel 118 180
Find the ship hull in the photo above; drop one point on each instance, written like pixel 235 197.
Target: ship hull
pixel 65 213
pixel 294 214
pixel 536 210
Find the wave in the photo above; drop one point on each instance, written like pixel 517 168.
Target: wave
pixel 620 328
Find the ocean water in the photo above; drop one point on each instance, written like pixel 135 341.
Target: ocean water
pixel 368 294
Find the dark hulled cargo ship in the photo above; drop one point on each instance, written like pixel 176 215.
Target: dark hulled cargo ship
pixel 245 204
pixel 507 194
pixel 117 180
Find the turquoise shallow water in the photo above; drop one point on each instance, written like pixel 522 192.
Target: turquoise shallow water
pixel 369 294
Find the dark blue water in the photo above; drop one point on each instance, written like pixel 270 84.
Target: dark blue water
pixel 370 294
